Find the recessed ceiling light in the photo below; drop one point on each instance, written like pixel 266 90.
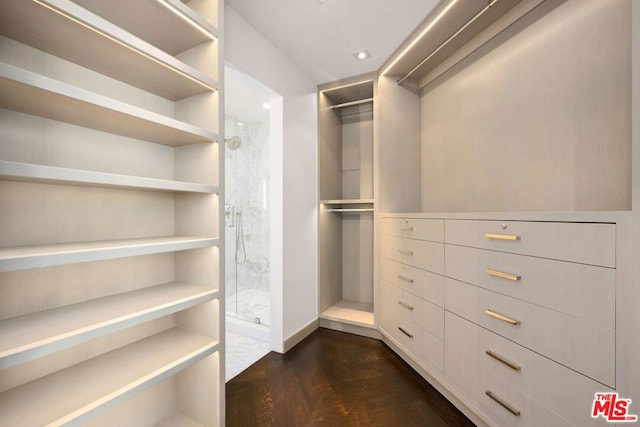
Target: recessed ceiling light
pixel 266 106
pixel 321 1
pixel 239 124
pixel 362 55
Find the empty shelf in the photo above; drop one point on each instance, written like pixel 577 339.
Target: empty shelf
pixel 31 336
pixel 31 93
pixel 76 393
pixel 352 312
pixel 25 257
pixel 64 29
pixel 174 26
pixel 48 174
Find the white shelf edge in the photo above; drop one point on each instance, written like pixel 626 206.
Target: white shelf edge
pixel 44 333
pixel 50 174
pixel 187 11
pixel 167 353
pixel 27 257
pixel 347 202
pixel 100 32
pixel 110 116
pixel 354 211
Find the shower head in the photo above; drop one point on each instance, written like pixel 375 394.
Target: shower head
pixel 233 143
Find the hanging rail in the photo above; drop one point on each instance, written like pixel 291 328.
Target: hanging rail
pixel 477 15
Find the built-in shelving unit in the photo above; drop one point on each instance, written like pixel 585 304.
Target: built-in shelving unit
pixel 111 296
pixel 347 205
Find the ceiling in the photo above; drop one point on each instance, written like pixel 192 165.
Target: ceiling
pixel 321 36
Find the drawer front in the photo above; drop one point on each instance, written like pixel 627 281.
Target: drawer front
pixel 428 286
pixel 417 253
pixel 419 343
pixel 412 228
pixel 587 347
pixel 476 382
pixel 593 244
pixel 416 312
pixel 583 291
pixel 549 384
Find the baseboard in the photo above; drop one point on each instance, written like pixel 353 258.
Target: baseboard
pixel 294 339
pixel 352 329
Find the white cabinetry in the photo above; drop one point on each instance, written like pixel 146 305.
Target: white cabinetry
pixel 346 189
pixel 528 303
pixel 110 291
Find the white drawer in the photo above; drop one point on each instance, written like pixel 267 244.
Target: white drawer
pixel 553 386
pixel 584 291
pixel 426 285
pixel 417 253
pixel 416 312
pixel 590 243
pixel 419 343
pixel 585 346
pixel 421 229
pixel 476 382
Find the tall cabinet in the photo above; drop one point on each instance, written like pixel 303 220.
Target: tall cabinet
pixel 346 191
pixel 110 293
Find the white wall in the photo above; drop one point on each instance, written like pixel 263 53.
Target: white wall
pixel 247 50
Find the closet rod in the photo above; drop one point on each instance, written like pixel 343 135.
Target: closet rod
pixel 477 15
pixel 349 104
pixel 351 210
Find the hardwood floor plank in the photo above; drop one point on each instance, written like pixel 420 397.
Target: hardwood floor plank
pixel 336 379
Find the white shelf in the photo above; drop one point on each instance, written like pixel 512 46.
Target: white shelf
pixel 31 93
pixel 74 394
pixel 26 257
pixel 28 172
pixel 166 30
pixel 351 312
pixel 68 31
pixel 35 335
pixel 347 202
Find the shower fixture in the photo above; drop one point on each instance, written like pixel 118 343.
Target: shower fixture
pixel 233 142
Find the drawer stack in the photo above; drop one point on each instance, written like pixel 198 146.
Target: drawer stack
pixel 412 287
pixel 530 317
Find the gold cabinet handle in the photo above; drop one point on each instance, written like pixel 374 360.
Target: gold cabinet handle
pixel 405 305
pixel 508 276
pixel 405 251
pixel 502 403
pixel 509 237
pixel 502 317
pixel 409 334
pixel 503 360
pixel 406 228
pixel 405 278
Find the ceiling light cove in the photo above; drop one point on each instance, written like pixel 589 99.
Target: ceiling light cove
pixel 362 55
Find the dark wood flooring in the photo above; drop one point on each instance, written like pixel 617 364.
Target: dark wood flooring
pixel 336 379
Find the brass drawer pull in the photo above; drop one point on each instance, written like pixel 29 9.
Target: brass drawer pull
pixel 406 228
pixel 405 305
pixel 503 360
pixel 410 335
pixel 508 276
pixel 509 237
pixel 405 278
pixel 502 317
pixel 502 403
pixel 405 251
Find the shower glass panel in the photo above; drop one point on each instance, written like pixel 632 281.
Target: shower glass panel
pixel 247 218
